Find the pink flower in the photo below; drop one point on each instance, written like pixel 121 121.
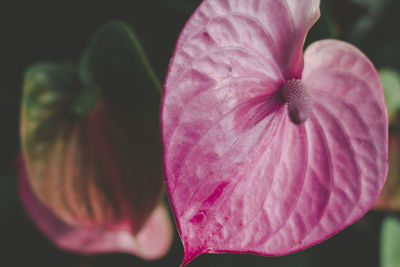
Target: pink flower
pixel 267 150
pixel 91 172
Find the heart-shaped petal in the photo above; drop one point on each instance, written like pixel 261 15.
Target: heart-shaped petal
pixel 242 177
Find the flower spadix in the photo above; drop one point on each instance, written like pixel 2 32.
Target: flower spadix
pixel 267 150
pixel 91 173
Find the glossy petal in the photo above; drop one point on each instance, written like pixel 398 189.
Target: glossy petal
pixel 350 109
pixel 241 176
pixel 151 242
pixel 229 38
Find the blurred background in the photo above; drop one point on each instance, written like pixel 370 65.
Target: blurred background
pixel 37 31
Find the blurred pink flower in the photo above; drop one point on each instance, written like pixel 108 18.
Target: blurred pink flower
pixel 267 150
pixel 151 242
pixel 92 182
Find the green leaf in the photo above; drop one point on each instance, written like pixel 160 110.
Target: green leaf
pixel 391 86
pixel 390 245
pixel 115 62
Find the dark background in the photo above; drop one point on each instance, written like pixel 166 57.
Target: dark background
pixel 36 31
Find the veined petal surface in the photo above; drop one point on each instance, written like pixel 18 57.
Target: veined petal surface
pixel 349 106
pixel 225 39
pixel 241 176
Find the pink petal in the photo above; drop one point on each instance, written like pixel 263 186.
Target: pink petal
pixel 227 38
pixel 240 175
pixel 152 242
pixel 350 108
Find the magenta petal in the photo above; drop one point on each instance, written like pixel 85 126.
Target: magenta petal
pixel 350 110
pixel 225 39
pixel 151 242
pixel 269 29
pixel 241 176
